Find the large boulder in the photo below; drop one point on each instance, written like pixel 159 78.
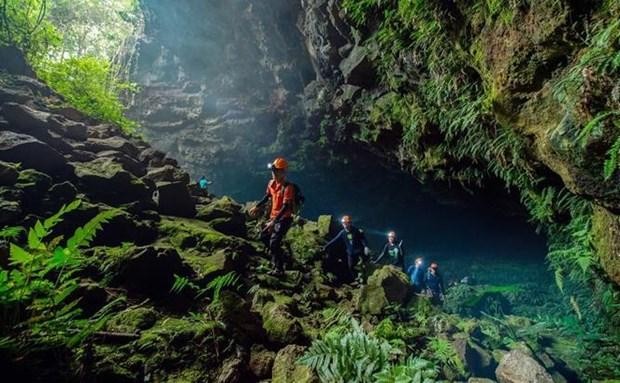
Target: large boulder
pixel 286 369
pixel 387 285
pixel 224 215
pixel 245 325
pixel 173 198
pixel 280 325
pixel 167 173
pixel 261 362
pixel 150 271
pixel 8 174
pixel 30 152
pixel 105 179
pixel 606 233
pixel 476 359
pixel 357 68
pixel 518 367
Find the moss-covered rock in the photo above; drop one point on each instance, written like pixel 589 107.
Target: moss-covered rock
pixel 174 331
pixel 281 327
pixel 224 215
pixel 606 233
pixel 306 240
pixel 132 320
pixel 185 233
pixel 286 369
pixel 261 362
pixel 387 285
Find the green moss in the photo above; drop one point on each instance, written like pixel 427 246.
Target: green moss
pixel 175 331
pixel 132 320
pixel 184 233
pixel 305 241
pixel 279 324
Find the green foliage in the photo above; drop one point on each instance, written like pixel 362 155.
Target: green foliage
pixel 88 85
pixel 413 370
pixel 443 352
pixel 229 280
pixel 75 47
pixel 11 233
pixel 41 279
pixel 24 24
pixel 352 357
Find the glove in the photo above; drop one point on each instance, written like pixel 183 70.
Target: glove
pixel 366 251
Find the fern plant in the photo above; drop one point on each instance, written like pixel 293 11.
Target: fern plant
pixel 353 357
pixel 443 352
pixel 41 278
pixel 229 280
pixel 413 370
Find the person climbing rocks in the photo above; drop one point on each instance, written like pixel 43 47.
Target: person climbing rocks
pixel 282 196
pixel 356 246
pixel 416 275
pixel 393 252
pixel 203 185
pixel 434 284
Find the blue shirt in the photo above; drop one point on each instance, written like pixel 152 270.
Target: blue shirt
pixel 203 183
pixel 416 275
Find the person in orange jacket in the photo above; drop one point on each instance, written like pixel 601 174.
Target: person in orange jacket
pixel 282 196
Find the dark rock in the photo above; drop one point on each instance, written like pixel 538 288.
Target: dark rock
pixel 150 271
pixel 13 61
pixel 261 362
pixel 63 192
pixel 30 152
pixel 8 174
pixel 91 296
pixel 10 211
pixel 152 157
pixel 25 119
pixel 167 173
pixel 232 371
pixel 173 198
pixel 68 128
pixel 128 163
pixel 116 143
pixel 357 68
pixel 517 367
pixel 245 324
pixel 476 359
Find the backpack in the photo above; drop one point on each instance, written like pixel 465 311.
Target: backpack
pixel 299 199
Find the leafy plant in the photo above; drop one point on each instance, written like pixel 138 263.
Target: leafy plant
pixel 229 280
pixel 41 279
pixel 352 357
pixel 443 352
pixel 413 370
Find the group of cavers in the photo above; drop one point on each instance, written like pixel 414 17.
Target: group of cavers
pixel 348 248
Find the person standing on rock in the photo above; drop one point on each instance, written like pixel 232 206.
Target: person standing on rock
pixel 393 253
pixel 355 244
pixel 203 185
pixel 434 284
pixel 282 197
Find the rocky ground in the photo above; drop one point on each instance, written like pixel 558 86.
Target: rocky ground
pixel 226 320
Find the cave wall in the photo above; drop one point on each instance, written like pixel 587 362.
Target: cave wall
pixel 309 82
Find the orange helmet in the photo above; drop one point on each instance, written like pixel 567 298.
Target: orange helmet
pixel 346 218
pixel 279 163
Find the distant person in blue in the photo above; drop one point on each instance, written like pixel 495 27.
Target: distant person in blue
pixel 203 184
pixel 416 276
pixel 434 284
pixel 355 244
pixel 393 253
